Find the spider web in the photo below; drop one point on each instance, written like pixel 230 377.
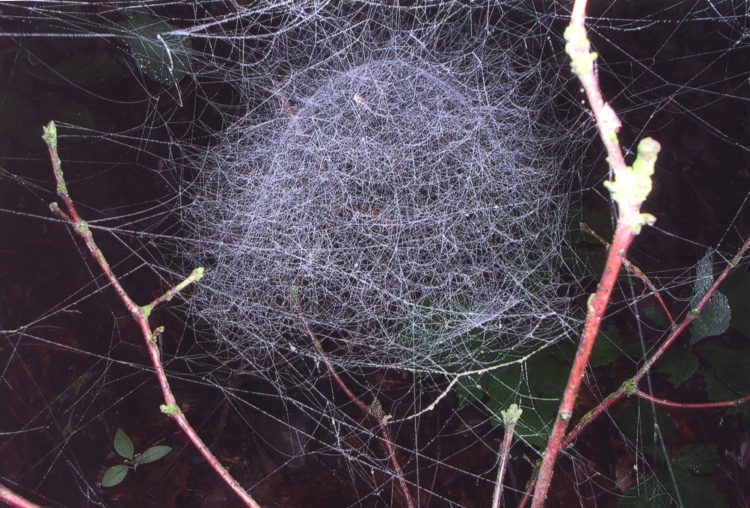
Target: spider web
pixel 398 180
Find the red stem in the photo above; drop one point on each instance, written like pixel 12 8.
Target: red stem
pixel 374 411
pixel 634 270
pixel 597 305
pixel 140 316
pixel 12 499
pixel 693 405
pixel 628 214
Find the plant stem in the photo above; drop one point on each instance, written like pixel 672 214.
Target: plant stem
pixel 629 189
pixel 139 314
pixel 12 499
pixel 630 387
pixel 693 405
pixel 510 418
pixel 597 305
pixel 374 410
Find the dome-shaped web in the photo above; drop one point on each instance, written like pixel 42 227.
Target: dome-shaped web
pixel 395 209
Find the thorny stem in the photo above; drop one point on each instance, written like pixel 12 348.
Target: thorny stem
pixel 629 189
pixel 374 410
pixel 12 499
pixel 510 418
pixel 139 314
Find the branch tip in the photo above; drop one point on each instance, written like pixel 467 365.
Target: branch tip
pixel 511 415
pixel 632 185
pixel 49 134
pixel 197 274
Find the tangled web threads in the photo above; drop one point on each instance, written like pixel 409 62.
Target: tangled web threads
pixel 405 213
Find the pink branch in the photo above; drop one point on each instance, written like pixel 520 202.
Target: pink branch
pixel 12 499
pixel 597 305
pixel 693 405
pixel 629 189
pixel 374 410
pixel 139 314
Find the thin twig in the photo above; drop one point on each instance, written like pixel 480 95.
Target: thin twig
pixel 374 410
pixel 139 314
pixel 693 405
pixel 596 308
pixel 510 418
pixel 12 499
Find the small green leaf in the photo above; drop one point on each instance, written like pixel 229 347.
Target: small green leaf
pixel 123 444
pixel 715 316
pixel 152 454
pixel 655 315
pixel 114 475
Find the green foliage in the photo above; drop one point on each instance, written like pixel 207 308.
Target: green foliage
pixel 689 469
pixel 678 365
pixel 608 348
pixel 697 459
pixel 153 454
pixel 637 423
pixel 124 447
pixel 162 57
pixel 655 315
pixel 115 475
pixel 536 384
pixel 715 316
pixel 725 375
